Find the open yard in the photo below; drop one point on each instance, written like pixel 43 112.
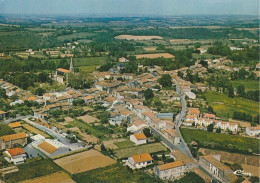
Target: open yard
pixel 155 55
pixel 114 173
pixel 132 37
pixel 32 170
pixel 99 131
pixel 230 143
pixel 124 144
pixel 35 130
pixel 84 161
pixel 88 119
pixel 225 106
pixel 148 148
pixel 58 177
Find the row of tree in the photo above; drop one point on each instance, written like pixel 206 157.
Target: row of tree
pixel 246 117
pixel 252 95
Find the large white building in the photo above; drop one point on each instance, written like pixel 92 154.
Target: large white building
pixel 51 148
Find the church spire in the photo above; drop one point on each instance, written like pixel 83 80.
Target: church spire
pixel 71 66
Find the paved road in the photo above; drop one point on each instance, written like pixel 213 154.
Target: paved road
pixel 179 119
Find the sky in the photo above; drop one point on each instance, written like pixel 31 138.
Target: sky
pixel 131 7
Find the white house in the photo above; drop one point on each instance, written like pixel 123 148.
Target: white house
pixel 15 155
pixel 140 160
pixel 253 131
pixel 138 138
pixel 170 171
pixel 226 126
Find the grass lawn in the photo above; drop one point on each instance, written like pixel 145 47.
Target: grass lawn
pixel 32 170
pixel 89 61
pixel 249 84
pixel 231 143
pixel 89 64
pixel 225 106
pixel 114 173
pixel 124 144
pixel 147 148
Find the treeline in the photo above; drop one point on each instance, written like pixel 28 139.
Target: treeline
pixel 241 56
pixel 32 65
pixel 246 117
pixel 184 33
pixel 219 49
pixel 19 40
pixel 183 58
pixel 193 78
pixel 242 74
pixel 246 55
pixel 25 80
pixel 252 95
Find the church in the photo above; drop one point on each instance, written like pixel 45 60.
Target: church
pixel 62 75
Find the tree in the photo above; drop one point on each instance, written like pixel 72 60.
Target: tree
pixel 78 102
pixel 241 90
pixel 231 91
pixel 40 91
pixel 147 132
pixel 239 179
pixel 236 166
pixel 210 127
pixel 5 130
pixel 148 94
pixel 218 130
pixel 103 148
pixel 163 157
pixel 254 179
pixel 165 80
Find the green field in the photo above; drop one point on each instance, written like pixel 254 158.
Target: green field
pixel 114 173
pixel 147 148
pixel 89 64
pixel 31 170
pixel 230 143
pixel 225 106
pixel 124 144
pixel 249 84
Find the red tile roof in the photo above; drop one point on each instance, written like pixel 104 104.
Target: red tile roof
pixel 142 157
pixel 140 136
pixel 16 151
